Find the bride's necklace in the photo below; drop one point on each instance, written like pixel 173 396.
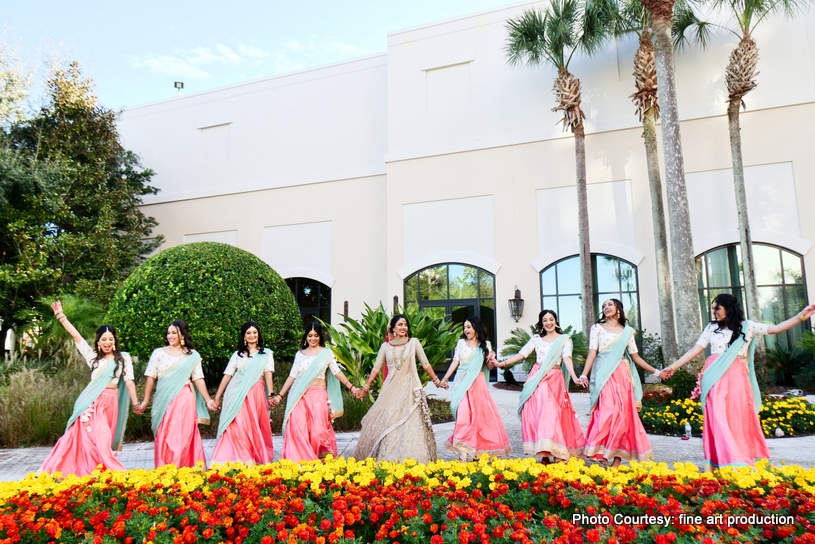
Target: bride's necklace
pixel 399 355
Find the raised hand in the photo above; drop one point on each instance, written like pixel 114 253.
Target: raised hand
pixel 57 307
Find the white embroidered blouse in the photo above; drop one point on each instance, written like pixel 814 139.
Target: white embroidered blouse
pixel 463 350
pixel 719 340
pixel 541 348
pixel 236 362
pixel 600 338
pixel 302 362
pixel 160 361
pixel 89 354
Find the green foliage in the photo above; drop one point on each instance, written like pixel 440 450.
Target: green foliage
pixel 215 288
pixel 358 343
pixel 84 314
pixel 69 201
pixel 682 384
pixel 35 406
pixel 556 34
pixel 787 363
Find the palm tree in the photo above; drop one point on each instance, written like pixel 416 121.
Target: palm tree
pixel 634 18
pixel 553 37
pixel 683 267
pixel 740 78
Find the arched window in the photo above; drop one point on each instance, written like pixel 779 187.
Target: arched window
pixel 455 290
pixel 612 278
pixel 779 277
pixel 313 298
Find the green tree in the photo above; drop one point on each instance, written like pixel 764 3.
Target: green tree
pixel 26 241
pixel 740 78
pixel 633 18
pixel 683 268
pixel 215 288
pixel 85 224
pixel 552 37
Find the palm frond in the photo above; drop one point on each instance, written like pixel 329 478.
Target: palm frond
pixel 526 39
pixel 555 34
pixel 687 27
pixel 748 14
pixel 598 21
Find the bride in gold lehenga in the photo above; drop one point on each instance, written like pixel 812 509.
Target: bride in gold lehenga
pixel 398 425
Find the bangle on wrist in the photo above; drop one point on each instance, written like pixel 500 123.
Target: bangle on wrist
pixel 801 317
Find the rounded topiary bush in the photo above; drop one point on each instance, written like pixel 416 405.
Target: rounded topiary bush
pixel 215 288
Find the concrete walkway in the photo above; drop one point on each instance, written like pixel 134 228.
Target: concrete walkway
pixel 16 463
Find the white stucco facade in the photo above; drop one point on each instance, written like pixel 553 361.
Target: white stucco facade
pixel 362 173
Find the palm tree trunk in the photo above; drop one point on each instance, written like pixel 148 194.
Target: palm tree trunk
pixel 664 289
pixel 753 309
pixel 586 286
pixel 683 264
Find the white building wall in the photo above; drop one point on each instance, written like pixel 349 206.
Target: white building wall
pixel 438 151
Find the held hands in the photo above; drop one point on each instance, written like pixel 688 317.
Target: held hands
pixel 582 381
pixel 274 401
pixel 213 405
pixel 139 408
pixel 666 373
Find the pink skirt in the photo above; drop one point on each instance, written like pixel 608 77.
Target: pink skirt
pixel 615 429
pixel 87 444
pixel 308 434
pixel 732 434
pixel 479 429
pixel 248 437
pixel 549 425
pixel 178 441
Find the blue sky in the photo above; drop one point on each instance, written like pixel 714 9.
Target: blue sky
pixel 134 51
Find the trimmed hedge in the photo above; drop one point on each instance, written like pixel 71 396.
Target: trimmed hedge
pixel 215 288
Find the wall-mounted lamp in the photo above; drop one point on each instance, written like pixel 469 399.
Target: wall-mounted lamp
pixel 516 305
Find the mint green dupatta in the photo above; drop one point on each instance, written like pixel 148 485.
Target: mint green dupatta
pixel 468 371
pixel 171 383
pixel 301 384
pixel 722 364
pixel 239 386
pixel 92 391
pixel 606 363
pixel 552 357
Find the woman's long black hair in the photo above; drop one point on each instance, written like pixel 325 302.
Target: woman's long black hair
pixel 733 317
pixel 117 354
pixel 243 347
pixel 480 332
pixel 619 304
pixel 539 330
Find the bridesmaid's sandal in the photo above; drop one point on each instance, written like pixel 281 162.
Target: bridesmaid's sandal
pixel 462 457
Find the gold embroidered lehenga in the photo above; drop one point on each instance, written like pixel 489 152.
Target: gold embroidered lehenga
pixel 398 425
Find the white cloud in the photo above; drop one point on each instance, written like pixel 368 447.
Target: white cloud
pixel 201 62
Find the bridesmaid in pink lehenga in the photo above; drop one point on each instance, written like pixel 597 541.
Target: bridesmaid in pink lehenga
pixel 615 430
pixel 244 430
pixel 314 397
pixel 180 402
pixel 96 427
pixel 479 429
pixel 549 426
pixel 731 400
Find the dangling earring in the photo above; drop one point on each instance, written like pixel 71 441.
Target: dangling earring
pixel 98 346
pixel 617 317
pixel 182 341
